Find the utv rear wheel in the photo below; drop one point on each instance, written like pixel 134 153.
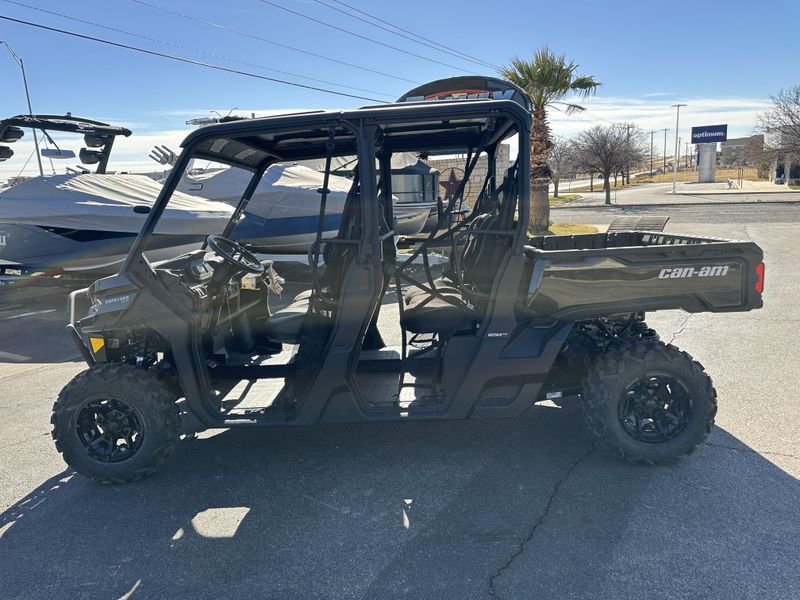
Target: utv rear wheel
pixel 115 423
pixel 648 402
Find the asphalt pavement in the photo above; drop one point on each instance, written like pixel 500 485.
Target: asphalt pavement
pixel 524 508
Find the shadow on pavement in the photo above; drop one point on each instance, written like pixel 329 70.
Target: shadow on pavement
pixel 32 321
pixel 521 508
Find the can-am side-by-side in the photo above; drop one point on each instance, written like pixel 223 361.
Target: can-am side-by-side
pixel 191 342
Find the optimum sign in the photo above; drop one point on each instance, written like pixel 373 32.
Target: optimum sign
pixel 709 134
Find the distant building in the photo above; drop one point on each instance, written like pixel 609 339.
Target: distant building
pixel 452 172
pixel 734 151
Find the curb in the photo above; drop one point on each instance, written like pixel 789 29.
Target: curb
pixel 740 193
pixel 674 204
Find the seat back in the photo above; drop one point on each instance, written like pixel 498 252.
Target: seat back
pixel 483 252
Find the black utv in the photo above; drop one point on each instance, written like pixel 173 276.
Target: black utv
pixel 191 343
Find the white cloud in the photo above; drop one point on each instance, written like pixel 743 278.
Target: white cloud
pixel 190 113
pixel 651 113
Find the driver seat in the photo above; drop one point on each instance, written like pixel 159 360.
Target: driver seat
pixel 292 322
pixel 286 324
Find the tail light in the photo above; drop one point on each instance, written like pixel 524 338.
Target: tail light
pixel 760 277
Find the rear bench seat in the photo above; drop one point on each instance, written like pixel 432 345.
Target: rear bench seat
pixel 481 256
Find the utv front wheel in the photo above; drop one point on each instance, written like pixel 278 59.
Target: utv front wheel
pixel 648 402
pixel 114 423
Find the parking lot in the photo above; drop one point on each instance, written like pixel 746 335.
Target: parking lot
pixel 525 508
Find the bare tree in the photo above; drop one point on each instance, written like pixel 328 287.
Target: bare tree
pixel 781 123
pixel 635 152
pixel 561 162
pixel 604 149
pixel 757 155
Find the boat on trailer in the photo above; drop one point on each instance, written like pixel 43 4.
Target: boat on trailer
pixel 84 222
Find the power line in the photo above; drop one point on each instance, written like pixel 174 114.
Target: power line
pixel 190 49
pixel 272 42
pixel 598 117
pixel 417 39
pixel 358 35
pixel 371 16
pixel 565 124
pixel 189 61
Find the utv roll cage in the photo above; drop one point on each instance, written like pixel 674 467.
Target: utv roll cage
pixel 365 254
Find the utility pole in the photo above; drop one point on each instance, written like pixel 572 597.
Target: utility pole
pixel 665 149
pixel 677 146
pixel 652 131
pixel 19 62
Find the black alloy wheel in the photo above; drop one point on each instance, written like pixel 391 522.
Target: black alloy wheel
pixel 654 409
pixel 110 429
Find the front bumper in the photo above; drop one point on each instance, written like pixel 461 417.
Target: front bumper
pixel 72 328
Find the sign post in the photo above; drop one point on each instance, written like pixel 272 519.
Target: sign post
pixel 706 138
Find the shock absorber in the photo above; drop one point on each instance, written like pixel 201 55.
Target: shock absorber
pixel 639 328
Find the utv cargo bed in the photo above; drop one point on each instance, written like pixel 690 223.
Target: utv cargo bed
pixel 601 274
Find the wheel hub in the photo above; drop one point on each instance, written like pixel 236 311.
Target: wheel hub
pixel 109 429
pixel 654 408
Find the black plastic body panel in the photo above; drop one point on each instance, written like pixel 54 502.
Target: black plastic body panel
pixel 596 275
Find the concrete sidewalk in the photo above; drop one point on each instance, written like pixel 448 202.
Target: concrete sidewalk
pixel 721 187
pixel 687 193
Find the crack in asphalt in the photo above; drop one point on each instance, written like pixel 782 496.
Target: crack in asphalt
pixel 681 328
pixel 525 540
pixel 753 450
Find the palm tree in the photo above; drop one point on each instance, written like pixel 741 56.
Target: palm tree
pixel 547 78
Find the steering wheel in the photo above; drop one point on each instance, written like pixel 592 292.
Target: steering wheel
pixel 234 254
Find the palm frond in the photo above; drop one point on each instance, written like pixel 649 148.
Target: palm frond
pixel 547 77
pixel 571 109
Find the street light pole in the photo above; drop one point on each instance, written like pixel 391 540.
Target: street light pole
pixel 19 62
pixel 677 141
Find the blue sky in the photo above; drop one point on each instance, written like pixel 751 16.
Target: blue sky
pixel 724 59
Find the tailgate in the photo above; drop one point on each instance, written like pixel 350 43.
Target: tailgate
pixel 662 271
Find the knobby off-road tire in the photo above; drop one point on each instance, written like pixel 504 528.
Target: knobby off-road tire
pixel 642 377
pixel 114 423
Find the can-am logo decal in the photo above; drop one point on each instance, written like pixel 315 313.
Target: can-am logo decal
pixel 687 272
